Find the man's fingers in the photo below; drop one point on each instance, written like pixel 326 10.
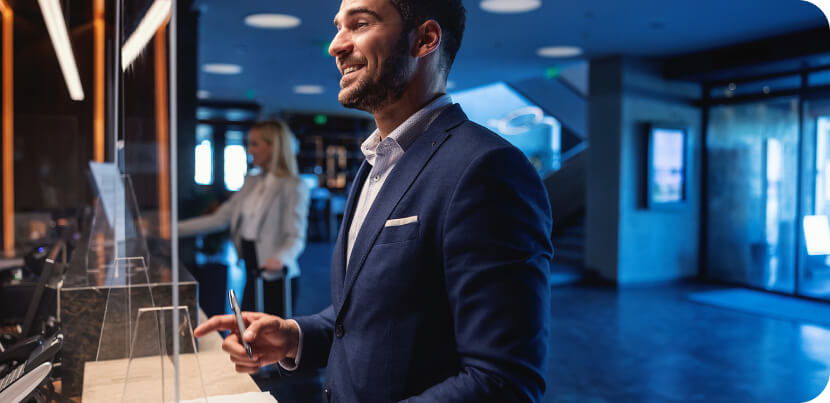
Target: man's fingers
pixel 233 346
pixel 245 361
pixel 265 321
pixel 246 370
pixel 250 317
pixel 218 322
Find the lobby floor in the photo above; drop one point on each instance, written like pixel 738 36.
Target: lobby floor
pixel 649 344
pixel 654 345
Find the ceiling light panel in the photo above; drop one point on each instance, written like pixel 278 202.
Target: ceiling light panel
pixel 308 89
pixel 222 68
pixel 155 17
pixel 272 21
pixel 56 25
pixel 510 6
pixel 559 51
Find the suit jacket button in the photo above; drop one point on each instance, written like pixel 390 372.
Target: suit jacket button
pixel 339 331
pixel 327 394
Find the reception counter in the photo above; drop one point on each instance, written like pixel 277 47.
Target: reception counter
pixel 83 297
pixel 104 380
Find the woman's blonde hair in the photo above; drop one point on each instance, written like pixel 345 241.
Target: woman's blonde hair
pixel 277 133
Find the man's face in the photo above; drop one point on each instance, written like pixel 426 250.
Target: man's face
pixel 372 52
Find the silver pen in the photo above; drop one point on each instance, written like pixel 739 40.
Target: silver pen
pixel 239 322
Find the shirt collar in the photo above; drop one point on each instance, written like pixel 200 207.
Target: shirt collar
pixel 406 133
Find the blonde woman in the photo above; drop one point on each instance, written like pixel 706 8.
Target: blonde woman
pixel 267 219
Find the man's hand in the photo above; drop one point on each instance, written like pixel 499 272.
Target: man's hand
pixel 272 264
pixel 272 339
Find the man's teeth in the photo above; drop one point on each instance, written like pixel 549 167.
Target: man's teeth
pixel 349 70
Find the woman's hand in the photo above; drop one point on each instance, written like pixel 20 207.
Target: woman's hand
pixel 272 264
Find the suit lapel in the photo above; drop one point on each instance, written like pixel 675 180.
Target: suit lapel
pixel 394 188
pixel 338 267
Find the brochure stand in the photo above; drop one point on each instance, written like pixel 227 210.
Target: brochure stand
pixel 116 227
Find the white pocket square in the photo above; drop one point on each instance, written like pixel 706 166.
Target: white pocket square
pixel 396 222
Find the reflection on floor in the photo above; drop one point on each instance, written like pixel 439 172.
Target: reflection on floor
pixel 767 304
pixel 636 345
pixel 654 345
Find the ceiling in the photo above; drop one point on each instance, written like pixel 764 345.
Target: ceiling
pixel 496 47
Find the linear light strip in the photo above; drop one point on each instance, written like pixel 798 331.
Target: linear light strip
pixel 8 129
pixel 56 25
pixel 162 132
pixel 148 26
pixel 99 114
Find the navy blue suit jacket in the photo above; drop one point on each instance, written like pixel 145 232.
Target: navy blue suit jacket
pixel 454 307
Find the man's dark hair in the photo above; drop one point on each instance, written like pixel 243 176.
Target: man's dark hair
pixel 450 15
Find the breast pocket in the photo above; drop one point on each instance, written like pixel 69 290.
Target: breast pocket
pixel 398 233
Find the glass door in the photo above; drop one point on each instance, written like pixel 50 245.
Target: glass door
pixel 752 192
pixel 814 265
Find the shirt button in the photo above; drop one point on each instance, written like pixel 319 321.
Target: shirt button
pixel 376 178
pixel 339 331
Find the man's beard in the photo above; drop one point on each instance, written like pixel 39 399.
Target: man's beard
pixel 372 95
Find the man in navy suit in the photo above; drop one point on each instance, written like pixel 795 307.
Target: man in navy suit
pixel 440 271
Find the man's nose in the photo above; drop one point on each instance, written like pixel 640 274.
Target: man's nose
pixel 341 44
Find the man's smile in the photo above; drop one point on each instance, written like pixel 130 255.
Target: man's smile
pixel 349 73
pixel 352 68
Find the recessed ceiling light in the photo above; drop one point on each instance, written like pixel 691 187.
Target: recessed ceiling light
pixel 222 68
pixel 308 89
pixel 559 51
pixel 510 6
pixel 272 21
pixel 202 94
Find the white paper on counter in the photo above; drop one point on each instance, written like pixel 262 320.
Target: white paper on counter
pixel 250 397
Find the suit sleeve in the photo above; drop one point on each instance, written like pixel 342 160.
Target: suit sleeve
pixel 497 254
pixel 318 333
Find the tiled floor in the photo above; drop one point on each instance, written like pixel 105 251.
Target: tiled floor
pixel 638 345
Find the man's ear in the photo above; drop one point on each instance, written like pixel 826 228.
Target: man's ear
pixel 428 38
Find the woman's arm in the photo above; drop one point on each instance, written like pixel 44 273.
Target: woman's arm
pixel 217 221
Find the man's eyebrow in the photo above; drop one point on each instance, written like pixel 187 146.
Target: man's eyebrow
pixel 361 10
